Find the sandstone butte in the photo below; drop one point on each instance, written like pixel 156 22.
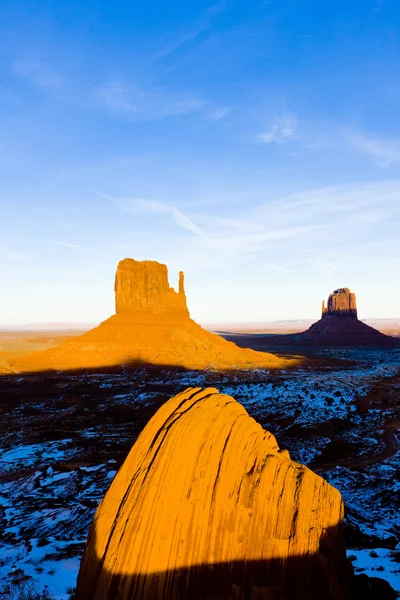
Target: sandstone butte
pixel 339 325
pixel 341 303
pixel 206 506
pixel 151 326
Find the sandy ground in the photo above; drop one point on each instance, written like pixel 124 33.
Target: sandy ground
pixel 17 343
pixel 386 326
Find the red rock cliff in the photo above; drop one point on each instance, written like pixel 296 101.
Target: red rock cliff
pixel 341 303
pixel 142 286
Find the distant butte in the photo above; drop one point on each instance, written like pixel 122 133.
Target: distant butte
pixel 338 326
pixel 152 326
pixel 341 303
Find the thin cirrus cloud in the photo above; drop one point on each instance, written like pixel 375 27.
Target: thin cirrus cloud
pixel 384 151
pixel 282 129
pixel 124 99
pixel 37 73
pixel 6 252
pixel 145 206
pixel 242 238
pixel 312 221
pixel 220 113
pixel 187 35
pixel 336 203
pixel 67 245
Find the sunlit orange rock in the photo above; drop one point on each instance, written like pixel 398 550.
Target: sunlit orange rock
pixel 206 506
pixel 151 326
pixel 142 286
pixel 341 302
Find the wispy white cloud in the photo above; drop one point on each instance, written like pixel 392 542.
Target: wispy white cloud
pixel 52 223
pixel 67 245
pixel 145 206
pixel 316 230
pixel 220 113
pixel 188 34
pixel 179 40
pixel 114 95
pixel 124 99
pixel 38 73
pixel 384 151
pixel 282 129
pixel 6 252
pixel 215 9
pixel 280 268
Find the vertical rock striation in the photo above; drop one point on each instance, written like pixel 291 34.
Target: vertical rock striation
pixel 206 506
pixel 142 286
pixel 341 303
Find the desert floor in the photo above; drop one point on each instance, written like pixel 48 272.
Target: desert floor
pixel 64 435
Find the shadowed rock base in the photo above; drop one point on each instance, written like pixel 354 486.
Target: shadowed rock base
pixel 206 506
pixel 338 326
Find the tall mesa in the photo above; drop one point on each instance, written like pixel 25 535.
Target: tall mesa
pixel 143 286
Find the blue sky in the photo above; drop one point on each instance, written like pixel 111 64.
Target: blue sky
pixel 255 145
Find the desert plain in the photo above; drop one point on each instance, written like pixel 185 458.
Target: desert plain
pixel 67 431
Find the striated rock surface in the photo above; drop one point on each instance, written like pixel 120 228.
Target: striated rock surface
pixel 341 303
pixel 151 326
pixel 206 506
pixel 143 286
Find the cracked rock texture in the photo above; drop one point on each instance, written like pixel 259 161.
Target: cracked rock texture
pixel 206 505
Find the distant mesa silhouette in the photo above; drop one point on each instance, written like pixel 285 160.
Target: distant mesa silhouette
pixel 339 326
pixel 206 506
pixel 341 303
pixel 152 325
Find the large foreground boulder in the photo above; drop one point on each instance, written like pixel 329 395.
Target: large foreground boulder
pixel 206 506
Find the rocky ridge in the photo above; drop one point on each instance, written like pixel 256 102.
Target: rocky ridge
pixel 206 505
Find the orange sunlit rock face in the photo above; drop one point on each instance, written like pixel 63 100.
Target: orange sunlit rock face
pixel 206 505
pixel 341 303
pixel 151 326
pixel 142 286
